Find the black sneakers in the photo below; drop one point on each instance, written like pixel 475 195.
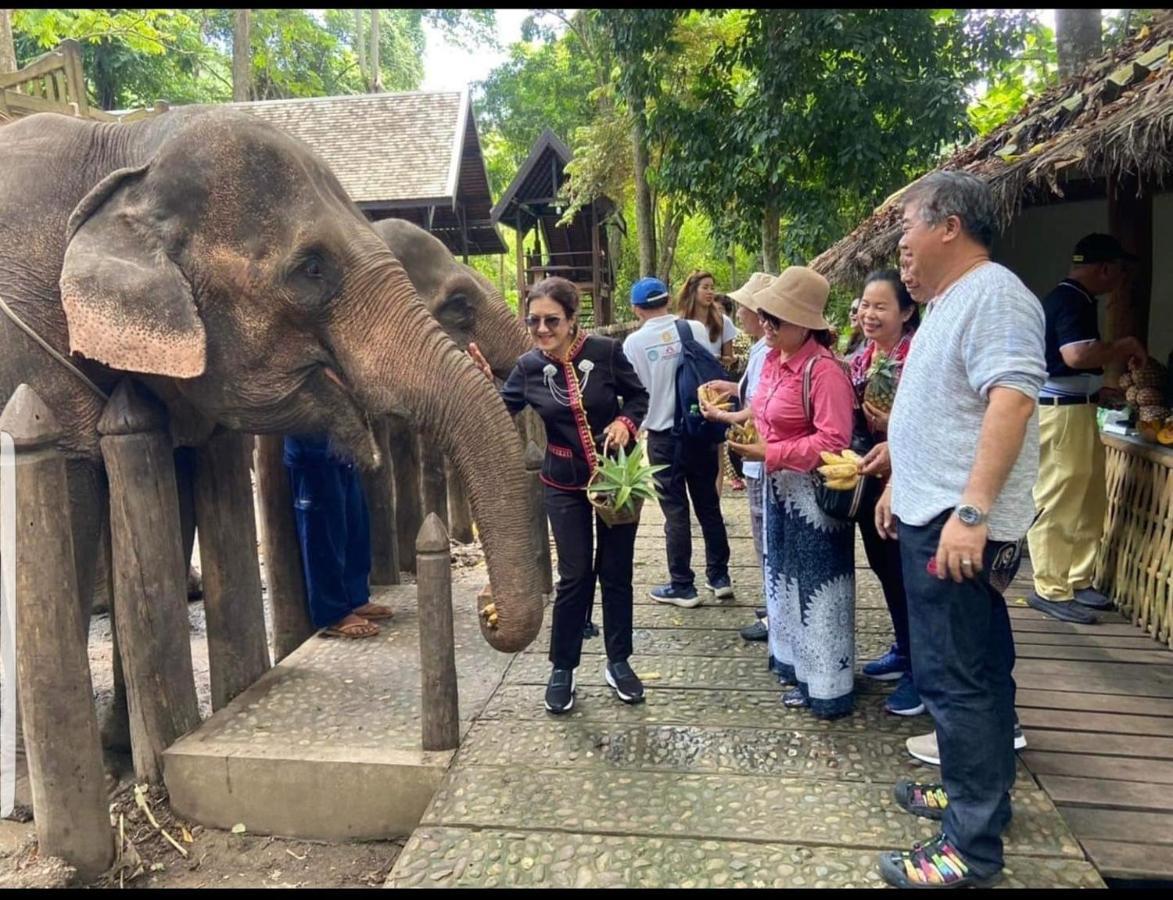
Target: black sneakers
pixel 624 681
pixel 560 691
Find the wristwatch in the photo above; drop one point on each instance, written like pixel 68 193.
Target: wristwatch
pixel 970 514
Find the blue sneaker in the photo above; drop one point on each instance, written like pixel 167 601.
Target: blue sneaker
pixel 889 667
pixel 905 700
pixel 677 596
pixel 722 588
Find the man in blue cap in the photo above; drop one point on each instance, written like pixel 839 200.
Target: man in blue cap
pixel 654 352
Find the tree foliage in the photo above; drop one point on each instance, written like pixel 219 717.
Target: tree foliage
pixel 133 57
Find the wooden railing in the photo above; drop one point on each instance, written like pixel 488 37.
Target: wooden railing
pixel 1135 562
pixel 54 82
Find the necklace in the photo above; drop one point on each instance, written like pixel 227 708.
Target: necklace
pixel 560 394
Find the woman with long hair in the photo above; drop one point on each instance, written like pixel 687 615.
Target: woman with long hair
pixel 697 300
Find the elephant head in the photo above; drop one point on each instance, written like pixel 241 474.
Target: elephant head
pixel 464 302
pixel 229 267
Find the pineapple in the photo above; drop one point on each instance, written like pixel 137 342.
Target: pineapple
pixel 881 387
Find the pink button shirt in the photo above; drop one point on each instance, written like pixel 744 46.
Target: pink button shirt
pixel 791 442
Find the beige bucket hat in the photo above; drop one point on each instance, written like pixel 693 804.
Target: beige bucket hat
pixel 798 296
pixel 758 281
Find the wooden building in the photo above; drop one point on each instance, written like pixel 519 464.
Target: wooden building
pixel 534 202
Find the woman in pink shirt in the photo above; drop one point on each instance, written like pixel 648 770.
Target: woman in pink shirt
pixel 810 557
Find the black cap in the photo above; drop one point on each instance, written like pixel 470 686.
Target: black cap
pixel 1099 248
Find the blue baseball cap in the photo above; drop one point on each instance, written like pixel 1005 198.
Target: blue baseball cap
pixel 648 291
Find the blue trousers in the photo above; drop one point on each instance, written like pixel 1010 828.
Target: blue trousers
pixel 333 528
pixel 963 660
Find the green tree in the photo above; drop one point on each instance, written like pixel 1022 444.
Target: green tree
pixel 824 112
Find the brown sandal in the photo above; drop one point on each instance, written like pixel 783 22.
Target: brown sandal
pixel 352 630
pixel 374 612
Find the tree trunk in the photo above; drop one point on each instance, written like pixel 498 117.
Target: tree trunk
pixel 673 221
pixel 1078 38
pixel 7 47
pixel 643 195
pixel 241 58
pixel 770 261
pixel 376 81
pixel 360 46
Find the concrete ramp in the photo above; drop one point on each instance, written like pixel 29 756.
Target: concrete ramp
pixel 327 744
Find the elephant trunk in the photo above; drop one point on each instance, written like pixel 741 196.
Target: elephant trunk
pixel 412 363
pixel 502 336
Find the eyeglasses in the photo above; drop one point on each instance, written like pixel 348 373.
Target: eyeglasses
pixel 551 322
pixel 766 319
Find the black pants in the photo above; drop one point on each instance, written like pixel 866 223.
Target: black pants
pixel 884 558
pixel 692 472
pixel 963 660
pixel 570 517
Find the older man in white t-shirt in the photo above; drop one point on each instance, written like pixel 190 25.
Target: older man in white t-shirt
pixel 964 447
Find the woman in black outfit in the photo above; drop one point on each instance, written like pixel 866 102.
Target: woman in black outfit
pixel 575 381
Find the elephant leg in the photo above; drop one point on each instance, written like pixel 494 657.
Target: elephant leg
pixel 92 551
pixel 185 458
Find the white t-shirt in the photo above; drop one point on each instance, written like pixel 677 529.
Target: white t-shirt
pixel 728 333
pixel 753 374
pixel 654 353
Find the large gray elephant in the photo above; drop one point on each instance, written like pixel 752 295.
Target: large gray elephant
pixel 464 302
pixel 219 261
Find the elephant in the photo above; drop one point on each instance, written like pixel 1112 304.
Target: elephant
pixel 463 301
pixel 219 262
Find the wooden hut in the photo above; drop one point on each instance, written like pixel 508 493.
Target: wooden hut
pixel 535 202
pixel 1090 155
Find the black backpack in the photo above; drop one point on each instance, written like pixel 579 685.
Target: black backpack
pixel 697 366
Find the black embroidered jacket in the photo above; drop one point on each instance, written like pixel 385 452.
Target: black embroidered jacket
pixel 577 399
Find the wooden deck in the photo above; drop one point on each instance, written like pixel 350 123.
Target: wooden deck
pixel 1096 703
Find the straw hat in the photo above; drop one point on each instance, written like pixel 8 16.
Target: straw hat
pixel 798 296
pixel 758 281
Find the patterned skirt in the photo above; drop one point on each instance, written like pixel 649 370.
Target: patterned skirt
pixel 810 594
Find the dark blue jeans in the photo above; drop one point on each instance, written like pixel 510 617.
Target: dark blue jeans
pixel 333 528
pixel 692 472
pixel 962 660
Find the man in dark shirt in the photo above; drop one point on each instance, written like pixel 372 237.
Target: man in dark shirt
pixel 1069 493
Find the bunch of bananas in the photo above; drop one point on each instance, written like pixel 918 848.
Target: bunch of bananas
pixel 714 398
pixel 841 470
pixel 746 433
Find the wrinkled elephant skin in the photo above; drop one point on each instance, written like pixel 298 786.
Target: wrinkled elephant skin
pixel 220 261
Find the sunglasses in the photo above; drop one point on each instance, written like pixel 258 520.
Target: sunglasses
pixel 551 322
pixel 767 319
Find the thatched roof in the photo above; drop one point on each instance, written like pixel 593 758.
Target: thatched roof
pixel 1114 118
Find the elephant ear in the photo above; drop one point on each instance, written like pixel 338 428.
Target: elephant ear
pixel 127 304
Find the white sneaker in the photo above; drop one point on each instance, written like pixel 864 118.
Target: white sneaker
pixel 924 746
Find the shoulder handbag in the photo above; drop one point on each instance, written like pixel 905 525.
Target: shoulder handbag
pixel 842 505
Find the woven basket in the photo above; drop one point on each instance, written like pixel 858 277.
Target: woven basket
pixel 609 514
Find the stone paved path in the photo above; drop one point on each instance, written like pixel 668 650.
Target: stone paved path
pixel 711 782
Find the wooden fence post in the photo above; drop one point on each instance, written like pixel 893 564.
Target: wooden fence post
pixel 238 650
pixel 53 670
pixel 459 509
pixel 439 702
pixel 538 528
pixel 380 491
pixel 150 577
pixel 280 547
pixel 401 438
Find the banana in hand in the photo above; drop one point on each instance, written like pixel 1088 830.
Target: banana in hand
pixel 840 470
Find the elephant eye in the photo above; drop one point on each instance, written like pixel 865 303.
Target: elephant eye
pixel 312 267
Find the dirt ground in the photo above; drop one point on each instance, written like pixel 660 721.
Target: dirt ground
pixel 209 857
